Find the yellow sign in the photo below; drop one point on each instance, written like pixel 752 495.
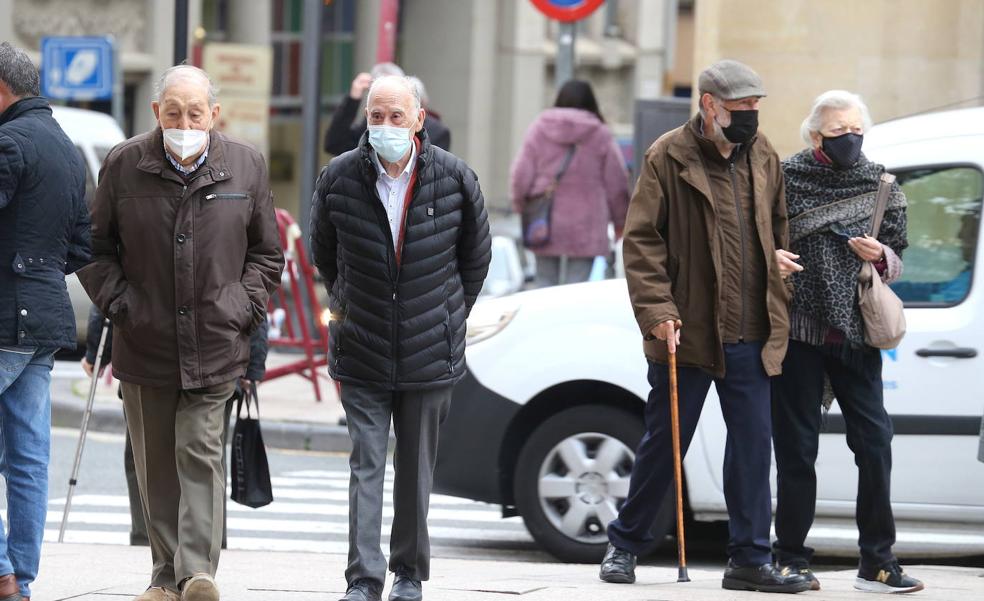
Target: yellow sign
pixel 243 74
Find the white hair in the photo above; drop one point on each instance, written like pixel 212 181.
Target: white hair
pixel 186 72
pixel 837 100
pixel 381 69
pixel 404 80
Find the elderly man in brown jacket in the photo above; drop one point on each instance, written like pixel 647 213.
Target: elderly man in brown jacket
pixel 186 253
pixel 705 269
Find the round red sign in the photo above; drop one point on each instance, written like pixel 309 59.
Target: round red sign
pixel 567 10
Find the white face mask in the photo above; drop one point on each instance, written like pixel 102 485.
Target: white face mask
pixel 185 142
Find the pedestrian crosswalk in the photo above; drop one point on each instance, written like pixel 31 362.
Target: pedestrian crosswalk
pixel 309 514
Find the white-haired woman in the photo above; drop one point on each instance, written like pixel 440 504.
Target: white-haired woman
pixel 830 193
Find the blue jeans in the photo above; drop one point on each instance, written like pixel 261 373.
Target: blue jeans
pixel 25 446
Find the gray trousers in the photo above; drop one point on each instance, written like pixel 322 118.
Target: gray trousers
pixel 555 271
pixel 177 452
pixel 416 416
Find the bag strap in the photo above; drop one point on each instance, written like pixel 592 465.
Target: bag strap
pixel 563 167
pixel 881 202
pixel 255 397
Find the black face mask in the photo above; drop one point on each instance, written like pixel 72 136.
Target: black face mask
pixel 844 150
pixel 743 126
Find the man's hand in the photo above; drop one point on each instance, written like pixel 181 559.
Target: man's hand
pixel 787 263
pixel 87 368
pixel 360 84
pixel 867 248
pixel 670 332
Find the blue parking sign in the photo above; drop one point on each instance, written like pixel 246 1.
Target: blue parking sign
pixel 77 68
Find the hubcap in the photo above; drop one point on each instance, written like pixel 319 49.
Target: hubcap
pixel 583 482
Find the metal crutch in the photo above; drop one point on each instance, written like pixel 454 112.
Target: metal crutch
pixel 73 480
pixel 677 469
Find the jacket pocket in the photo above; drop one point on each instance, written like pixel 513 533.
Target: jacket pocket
pixel 244 306
pixel 227 196
pixel 678 282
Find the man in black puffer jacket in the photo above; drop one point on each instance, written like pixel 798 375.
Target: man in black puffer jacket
pixel 401 236
pixel 44 234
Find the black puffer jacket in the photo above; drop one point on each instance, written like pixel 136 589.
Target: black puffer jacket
pixel 44 226
pixel 400 326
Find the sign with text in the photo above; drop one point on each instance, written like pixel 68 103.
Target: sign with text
pixel 243 74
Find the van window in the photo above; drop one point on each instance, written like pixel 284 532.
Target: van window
pixel 90 181
pixel 944 215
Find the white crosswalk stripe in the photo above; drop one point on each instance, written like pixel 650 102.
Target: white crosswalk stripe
pixel 309 514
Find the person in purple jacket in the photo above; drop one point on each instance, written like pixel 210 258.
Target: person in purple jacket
pixel 592 192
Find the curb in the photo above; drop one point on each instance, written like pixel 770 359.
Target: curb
pixel 326 438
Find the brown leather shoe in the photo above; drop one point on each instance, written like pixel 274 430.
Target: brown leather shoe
pixel 9 591
pixel 157 593
pixel 200 587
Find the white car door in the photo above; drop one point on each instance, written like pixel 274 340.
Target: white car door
pixel 933 380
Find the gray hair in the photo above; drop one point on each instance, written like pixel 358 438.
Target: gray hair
pixel 837 100
pixel 382 69
pixel 406 82
pixel 185 72
pixel 17 72
pixel 421 90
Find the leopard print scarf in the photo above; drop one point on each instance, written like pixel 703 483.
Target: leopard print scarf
pixel 826 206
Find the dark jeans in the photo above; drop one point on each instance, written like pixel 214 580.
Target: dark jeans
pixel 796 417
pixel 744 394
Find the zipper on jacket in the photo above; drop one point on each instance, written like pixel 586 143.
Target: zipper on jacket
pixel 741 230
pixel 228 195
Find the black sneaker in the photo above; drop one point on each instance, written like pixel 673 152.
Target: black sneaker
pixel 763 579
pixel 618 566
pixel 803 569
pixel 887 579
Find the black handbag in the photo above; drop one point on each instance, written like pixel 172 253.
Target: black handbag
pixel 250 471
pixel 537 209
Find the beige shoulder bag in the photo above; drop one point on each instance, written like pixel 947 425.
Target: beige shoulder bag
pixel 881 309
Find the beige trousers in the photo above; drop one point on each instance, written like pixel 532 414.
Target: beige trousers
pixel 177 452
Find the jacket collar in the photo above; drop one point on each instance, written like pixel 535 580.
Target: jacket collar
pixel 31 103
pixel 153 160
pixel 685 148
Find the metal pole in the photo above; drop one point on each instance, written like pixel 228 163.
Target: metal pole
pixel 566 36
pixel 117 84
pixel 73 480
pixel 180 31
pixel 310 108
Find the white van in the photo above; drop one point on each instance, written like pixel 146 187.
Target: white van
pixel 548 418
pixel 94 134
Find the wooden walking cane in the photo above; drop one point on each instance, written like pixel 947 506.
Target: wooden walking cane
pixel 677 468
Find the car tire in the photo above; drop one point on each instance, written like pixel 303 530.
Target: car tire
pixel 586 430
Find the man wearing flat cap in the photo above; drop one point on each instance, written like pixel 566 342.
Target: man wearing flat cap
pixel 705 265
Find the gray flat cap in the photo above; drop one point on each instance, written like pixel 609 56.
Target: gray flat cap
pixel 730 80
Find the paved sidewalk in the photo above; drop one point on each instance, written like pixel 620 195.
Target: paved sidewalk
pixel 291 417
pixel 114 572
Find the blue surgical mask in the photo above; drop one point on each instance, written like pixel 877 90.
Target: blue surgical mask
pixel 390 143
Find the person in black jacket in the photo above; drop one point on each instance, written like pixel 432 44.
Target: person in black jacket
pixel 44 234
pixel 345 130
pixel 400 235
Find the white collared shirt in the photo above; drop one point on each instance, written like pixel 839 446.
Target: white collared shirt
pixel 393 192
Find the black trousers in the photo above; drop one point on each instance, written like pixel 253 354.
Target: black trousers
pixel 796 417
pixel 744 394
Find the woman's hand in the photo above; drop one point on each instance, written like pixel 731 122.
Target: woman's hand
pixel 867 248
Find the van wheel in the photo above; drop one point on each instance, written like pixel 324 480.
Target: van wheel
pixel 573 476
